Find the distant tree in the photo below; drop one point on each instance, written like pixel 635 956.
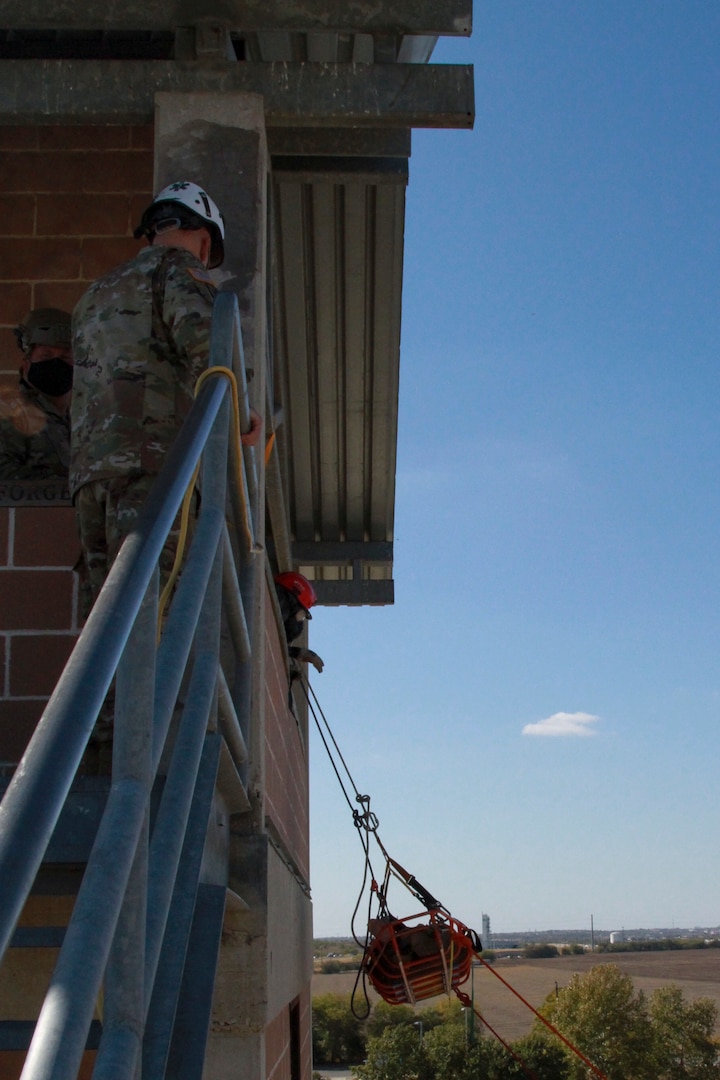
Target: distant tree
pixel 539 952
pixel 601 1014
pixel 336 1033
pixel 572 950
pixel 683 1036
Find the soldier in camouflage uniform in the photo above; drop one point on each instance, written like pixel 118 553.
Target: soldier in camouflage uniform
pixel 141 337
pixel 34 417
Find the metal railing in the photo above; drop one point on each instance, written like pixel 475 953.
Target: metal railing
pixel 131 924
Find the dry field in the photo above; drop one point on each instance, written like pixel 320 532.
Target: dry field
pixel 695 971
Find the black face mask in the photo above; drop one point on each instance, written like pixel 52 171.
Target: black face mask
pixel 52 377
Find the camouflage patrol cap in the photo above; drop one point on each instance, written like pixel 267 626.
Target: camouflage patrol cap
pixel 44 326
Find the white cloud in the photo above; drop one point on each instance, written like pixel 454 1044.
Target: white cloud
pixel 563 723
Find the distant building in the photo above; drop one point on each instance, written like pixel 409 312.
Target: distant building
pixel 486 936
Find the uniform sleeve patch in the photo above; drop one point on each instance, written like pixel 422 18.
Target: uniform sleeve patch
pixel 200 275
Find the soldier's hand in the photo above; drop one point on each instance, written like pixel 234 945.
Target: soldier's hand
pixel 310 657
pixel 252 437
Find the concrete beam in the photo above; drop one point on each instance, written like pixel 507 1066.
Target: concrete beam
pixel 354 593
pixel 441 17
pixel 295 95
pixel 342 552
pixel 339 142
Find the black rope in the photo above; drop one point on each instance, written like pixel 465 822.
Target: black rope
pixel 309 690
pixel 325 744
pixel 365 822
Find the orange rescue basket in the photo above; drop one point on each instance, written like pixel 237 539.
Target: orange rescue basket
pixel 406 963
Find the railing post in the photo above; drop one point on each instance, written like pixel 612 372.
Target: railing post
pixel 36 795
pixel 124 986
pixel 115 931
pixel 173 887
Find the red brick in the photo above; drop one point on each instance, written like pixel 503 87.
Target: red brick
pixel 138 203
pixel 18 138
pixel 51 259
pixel 37 661
pixel 17 215
pixel 118 171
pixel 93 215
pixel 142 136
pixel 9 355
pixel 5 512
pixel 12 1062
pixel 18 720
pixel 84 137
pixel 99 256
pixel 45 536
pixel 36 599
pixel 59 294
pixel 15 302
pixel 37 171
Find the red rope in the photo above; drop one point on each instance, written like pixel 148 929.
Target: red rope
pixel 547 1023
pixel 469 1005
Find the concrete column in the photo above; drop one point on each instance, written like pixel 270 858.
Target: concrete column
pixel 218 141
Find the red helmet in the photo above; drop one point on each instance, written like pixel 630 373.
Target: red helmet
pixel 299 586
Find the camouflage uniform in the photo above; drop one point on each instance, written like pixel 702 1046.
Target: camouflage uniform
pixel 34 436
pixel 141 338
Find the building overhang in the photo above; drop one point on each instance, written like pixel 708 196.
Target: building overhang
pixel 343 83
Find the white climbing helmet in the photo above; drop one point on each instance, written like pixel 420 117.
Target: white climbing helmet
pixel 190 207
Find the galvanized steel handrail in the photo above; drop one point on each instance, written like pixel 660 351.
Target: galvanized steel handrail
pixel 116 636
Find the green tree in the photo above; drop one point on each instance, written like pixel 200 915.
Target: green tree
pixel 398 1053
pixel 539 952
pixel 545 1057
pixel 384 1016
pixel 336 1033
pixel 451 1055
pixel 609 1023
pixel 683 1036
pixel 447 1011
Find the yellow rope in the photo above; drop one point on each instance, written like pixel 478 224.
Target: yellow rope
pixel 236 443
pixel 269 447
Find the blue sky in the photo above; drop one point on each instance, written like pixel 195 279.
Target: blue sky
pixel 537 719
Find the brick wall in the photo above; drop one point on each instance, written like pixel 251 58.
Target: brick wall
pixel 286 753
pixel 38 615
pixel 277 1041
pixel 69 200
pixel 277 1048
